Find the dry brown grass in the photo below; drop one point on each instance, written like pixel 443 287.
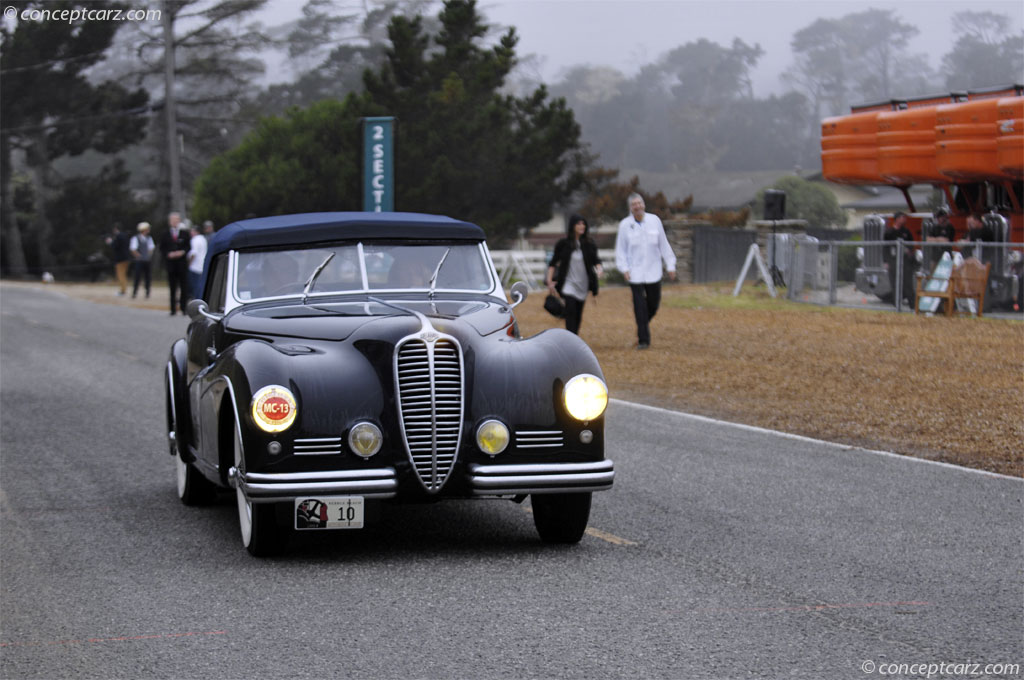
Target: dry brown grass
pixel 944 389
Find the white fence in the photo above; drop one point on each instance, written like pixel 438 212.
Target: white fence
pixel 530 266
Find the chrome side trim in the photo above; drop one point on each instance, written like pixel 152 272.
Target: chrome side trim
pixel 317 447
pixel 174 409
pixel 490 480
pixel 539 439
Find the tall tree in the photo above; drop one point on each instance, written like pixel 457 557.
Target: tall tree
pixel 462 147
pixel 984 55
pixel 330 47
pixel 51 109
pixel 856 58
pixel 201 61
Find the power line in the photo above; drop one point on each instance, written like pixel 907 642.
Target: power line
pixel 76 119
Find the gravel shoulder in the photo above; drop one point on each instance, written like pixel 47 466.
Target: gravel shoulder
pixel 950 390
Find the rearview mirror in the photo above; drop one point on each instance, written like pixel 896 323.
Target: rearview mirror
pixel 519 293
pixel 197 308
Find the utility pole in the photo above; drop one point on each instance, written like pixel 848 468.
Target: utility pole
pixel 173 148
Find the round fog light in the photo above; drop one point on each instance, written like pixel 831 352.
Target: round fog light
pixel 365 439
pixel 274 448
pixel 586 436
pixel 492 437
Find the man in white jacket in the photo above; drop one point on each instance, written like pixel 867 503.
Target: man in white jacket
pixel 640 248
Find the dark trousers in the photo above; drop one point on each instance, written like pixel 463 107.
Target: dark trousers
pixel 143 272
pixel 646 299
pixel 177 278
pixel 573 314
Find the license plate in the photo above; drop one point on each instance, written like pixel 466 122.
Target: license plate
pixel 329 512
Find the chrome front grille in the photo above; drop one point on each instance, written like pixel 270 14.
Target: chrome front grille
pixel 539 439
pixel 428 373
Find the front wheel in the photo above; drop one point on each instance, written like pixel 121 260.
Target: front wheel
pixel 261 535
pixel 561 517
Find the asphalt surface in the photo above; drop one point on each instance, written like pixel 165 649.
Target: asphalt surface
pixel 722 551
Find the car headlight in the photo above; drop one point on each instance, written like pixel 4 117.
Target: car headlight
pixel 365 439
pixel 274 408
pixel 492 437
pixel 586 397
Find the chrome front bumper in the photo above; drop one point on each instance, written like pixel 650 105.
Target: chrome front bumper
pixel 503 480
pixel 269 488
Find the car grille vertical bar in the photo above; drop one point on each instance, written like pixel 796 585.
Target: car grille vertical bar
pixel 428 374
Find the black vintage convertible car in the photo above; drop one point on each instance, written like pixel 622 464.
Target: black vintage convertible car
pixel 338 360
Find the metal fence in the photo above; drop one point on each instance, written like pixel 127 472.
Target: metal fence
pixel 872 273
pixel 718 253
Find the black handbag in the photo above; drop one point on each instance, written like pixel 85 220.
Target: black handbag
pixel 554 306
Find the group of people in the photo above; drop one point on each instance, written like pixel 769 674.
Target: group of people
pixel 941 232
pixel 641 248
pixel 183 248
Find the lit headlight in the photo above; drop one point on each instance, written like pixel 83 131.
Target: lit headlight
pixel 492 437
pixel 365 439
pixel 274 408
pixel 586 397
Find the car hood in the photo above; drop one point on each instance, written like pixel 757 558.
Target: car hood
pixel 339 320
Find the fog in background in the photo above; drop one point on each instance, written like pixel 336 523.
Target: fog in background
pixel 555 35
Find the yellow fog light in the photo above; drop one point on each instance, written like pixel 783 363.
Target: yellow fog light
pixel 274 408
pixel 365 439
pixel 492 437
pixel 586 397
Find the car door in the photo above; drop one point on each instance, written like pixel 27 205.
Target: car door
pixel 205 342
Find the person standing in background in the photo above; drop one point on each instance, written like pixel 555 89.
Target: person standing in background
pixel 640 249
pixel 573 270
pixel 142 247
pixel 175 246
pixel 120 243
pixel 898 231
pixel 196 259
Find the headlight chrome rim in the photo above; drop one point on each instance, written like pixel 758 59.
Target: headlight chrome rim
pixel 585 397
pixel 365 439
pixel 492 437
pixel 274 408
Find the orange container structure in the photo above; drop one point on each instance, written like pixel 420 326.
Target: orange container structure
pixel 965 140
pixel 849 148
pixel 1010 142
pixel 906 145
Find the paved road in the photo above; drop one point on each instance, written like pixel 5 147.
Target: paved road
pixel 722 552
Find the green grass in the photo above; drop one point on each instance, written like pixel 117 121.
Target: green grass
pixel 719 296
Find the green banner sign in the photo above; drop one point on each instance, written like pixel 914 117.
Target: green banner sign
pixel 378 164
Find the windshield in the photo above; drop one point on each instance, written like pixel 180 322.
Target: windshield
pixel 362 267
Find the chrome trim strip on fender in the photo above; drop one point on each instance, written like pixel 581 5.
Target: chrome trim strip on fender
pixel 174 407
pixel 489 480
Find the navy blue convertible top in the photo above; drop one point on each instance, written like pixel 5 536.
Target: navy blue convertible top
pixel 309 228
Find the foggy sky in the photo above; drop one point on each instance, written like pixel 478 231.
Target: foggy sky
pixel 627 34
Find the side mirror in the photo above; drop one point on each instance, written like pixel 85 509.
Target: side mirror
pixel 197 308
pixel 520 291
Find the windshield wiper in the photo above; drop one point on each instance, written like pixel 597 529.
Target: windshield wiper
pixel 437 270
pixel 316 273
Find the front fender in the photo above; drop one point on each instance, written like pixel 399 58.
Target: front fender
pixel 177 411
pixel 522 380
pixel 333 384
